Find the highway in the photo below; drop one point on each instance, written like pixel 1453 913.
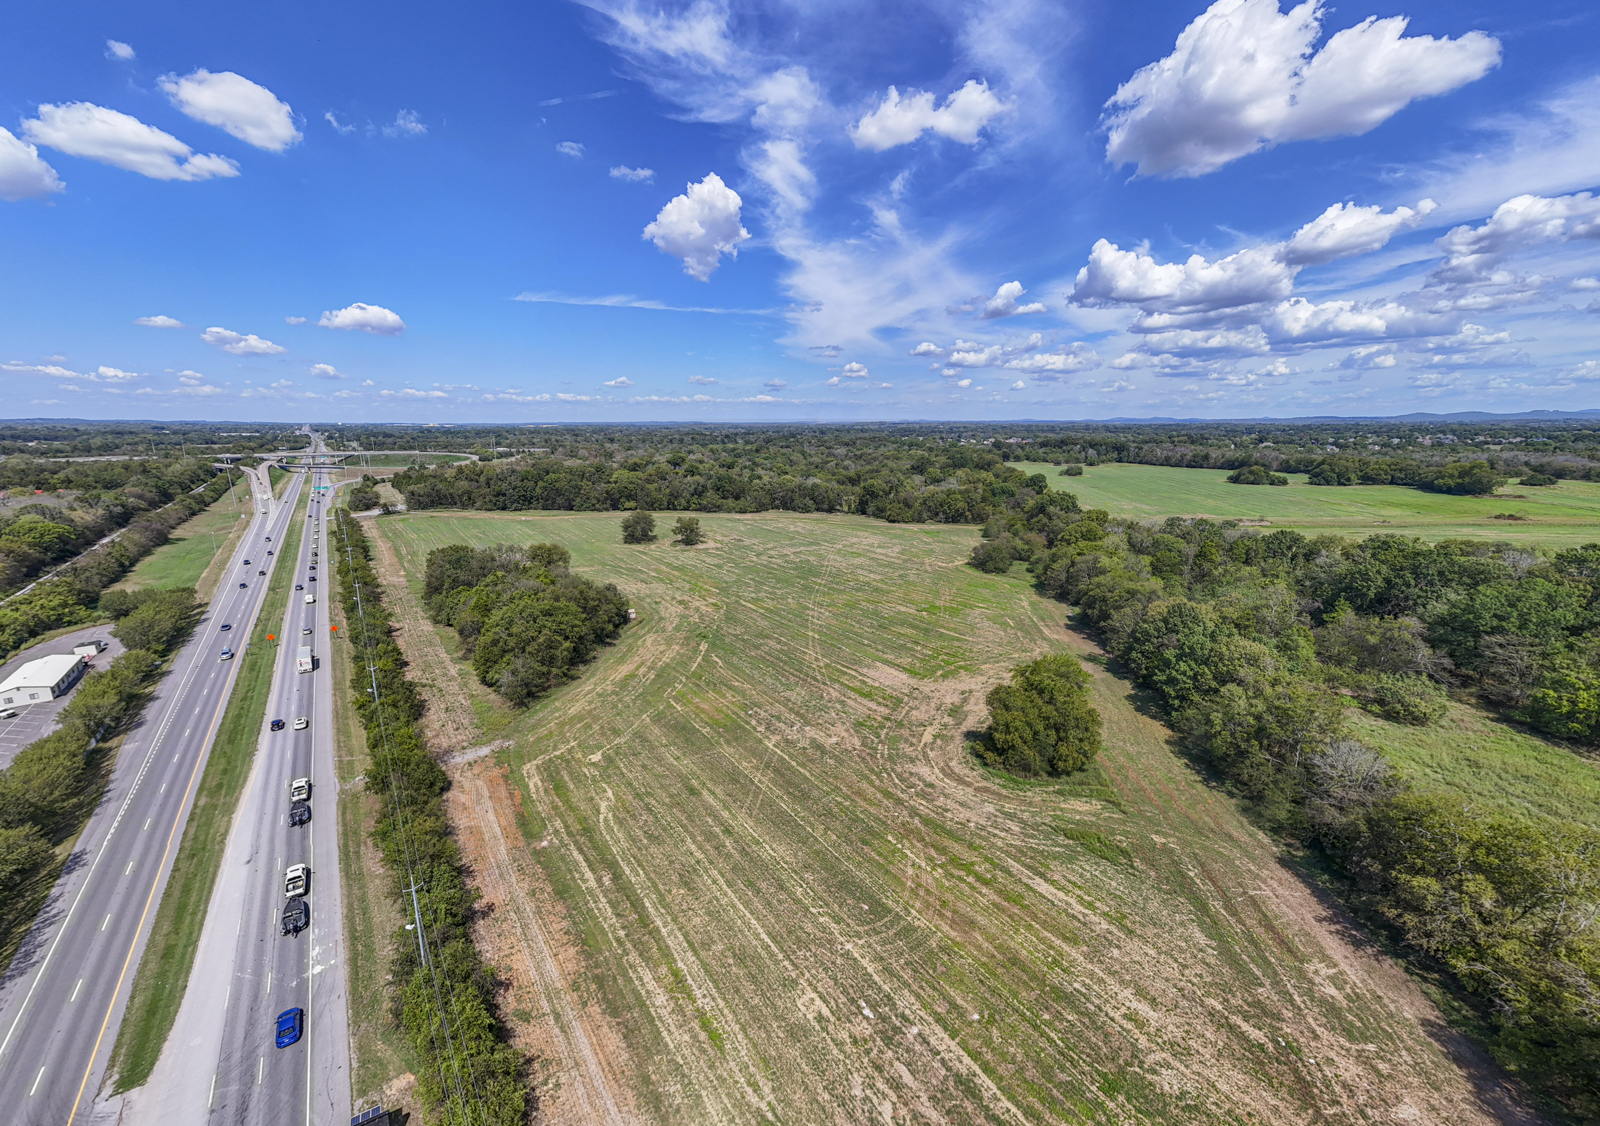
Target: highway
pixel 220 1063
pixel 62 999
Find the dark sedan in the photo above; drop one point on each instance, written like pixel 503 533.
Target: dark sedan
pixel 299 813
pixel 277 725
pixel 296 915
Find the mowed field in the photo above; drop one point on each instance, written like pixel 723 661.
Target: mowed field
pixel 1559 516
pixel 745 869
pixel 192 547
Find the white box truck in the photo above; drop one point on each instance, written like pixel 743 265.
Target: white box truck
pixel 304 661
pixel 310 599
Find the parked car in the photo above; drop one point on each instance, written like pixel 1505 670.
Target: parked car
pixel 289 1024
pixel 277 725
pixel 296 880
pixel 300 789
pixel 299 813
pixel 224 627
pixel 301 723
pixel 227 655
pixel 296 916
pixel 9 713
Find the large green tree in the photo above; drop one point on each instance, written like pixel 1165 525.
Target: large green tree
pixel 1042 722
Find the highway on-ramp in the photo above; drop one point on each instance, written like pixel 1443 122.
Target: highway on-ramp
pixel 62 999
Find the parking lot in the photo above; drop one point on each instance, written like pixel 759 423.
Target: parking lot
pixel 37 720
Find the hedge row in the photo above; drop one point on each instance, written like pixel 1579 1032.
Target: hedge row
pixel 467 1071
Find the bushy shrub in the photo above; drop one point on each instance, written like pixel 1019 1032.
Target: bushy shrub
pixel 1412 700
pixel 639 527
pixel 1539 480
pixel 1256 475
pixel 1042 723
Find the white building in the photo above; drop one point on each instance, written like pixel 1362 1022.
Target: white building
pixel 41 679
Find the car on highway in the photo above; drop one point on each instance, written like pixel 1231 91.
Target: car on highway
pixel 300 789
pixel 296 916
pixel 301 723
pixel 242 586
pixel 269 540
pixel 227 655
pixel 297 586
pixel 224 627
pixel 269 551
pixel 277 725
pixel 311 578
pixel 289 1024
pixel 296 879
pixel 299 813
pixel 260 572
pixel 247 562
pixel 305 631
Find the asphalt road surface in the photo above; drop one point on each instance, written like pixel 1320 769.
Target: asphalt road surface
pixel 62 1000
pixel 220 1064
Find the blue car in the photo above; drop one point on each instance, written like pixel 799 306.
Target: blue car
pixel 289 1022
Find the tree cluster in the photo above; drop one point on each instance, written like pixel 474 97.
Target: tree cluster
pixel 1254 644
pixel 468 1070
pixel 1256 475
pixel 1041 722
pixel 70 597
pixel 50 786
pixel 525 620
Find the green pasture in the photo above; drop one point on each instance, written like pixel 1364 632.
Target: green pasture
pixel 189 551
pixel 1495 764
pixel 403 461
pixel 1559 516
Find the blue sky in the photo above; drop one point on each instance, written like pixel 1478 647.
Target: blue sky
pixel 624 211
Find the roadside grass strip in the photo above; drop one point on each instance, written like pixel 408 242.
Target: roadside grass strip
pixel 163 975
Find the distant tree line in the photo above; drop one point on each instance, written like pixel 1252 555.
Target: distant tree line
pixel 1254 644
pixel 72 596
pixel 525 620
pixel 467 1069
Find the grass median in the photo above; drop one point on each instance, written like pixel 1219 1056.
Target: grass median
pixel 163 975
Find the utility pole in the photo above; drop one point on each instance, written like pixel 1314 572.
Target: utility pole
pixel 416 913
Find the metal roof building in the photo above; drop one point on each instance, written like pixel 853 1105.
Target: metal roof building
pixel 44 678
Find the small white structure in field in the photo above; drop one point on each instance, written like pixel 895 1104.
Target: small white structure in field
pixel 632 613
pixel 42 679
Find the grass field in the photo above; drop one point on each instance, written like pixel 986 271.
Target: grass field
pixel 1565 515
pixel 190 551
pixel 163 974
pixel 401 461
pixel 1496 764
pixel 744 868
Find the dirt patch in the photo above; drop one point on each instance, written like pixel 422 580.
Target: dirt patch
pixel 448 724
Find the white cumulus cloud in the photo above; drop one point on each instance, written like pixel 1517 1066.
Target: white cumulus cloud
pixel 570 148
pixel 361 317
pixel 633 175
pixel 1127 277
pixel 854 370
pixel 700 226
pixel 1345 229
pixel 23 174
pixel 620 381
pixel 116 49
pixel 1245 76
pixel 234 104
pixel 1004 303
pixel 326 371
pixel 701 379
pixel 1476 253
pixel 900 120
pixel 97 133
pixel 159 321
pixel 248 344
pixel 926 348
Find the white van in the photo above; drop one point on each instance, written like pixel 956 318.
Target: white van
pixel 310 598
